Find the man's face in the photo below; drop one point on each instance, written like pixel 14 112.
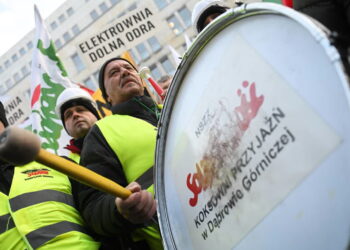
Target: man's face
pixel 2 127
pixel 78 121
pixel 122 82
pixel 210 18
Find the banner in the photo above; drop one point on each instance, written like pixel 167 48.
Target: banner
pixel 49 79
pixel 119 36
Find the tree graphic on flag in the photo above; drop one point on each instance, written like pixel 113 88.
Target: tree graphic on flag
pixel 49 79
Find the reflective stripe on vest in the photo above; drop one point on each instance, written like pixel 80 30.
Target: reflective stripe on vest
pixel 133 140
pixel 42 208
pixel 6 223
pixel 29 199
pixel 42 235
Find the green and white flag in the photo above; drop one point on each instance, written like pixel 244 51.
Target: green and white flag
pixel 49 79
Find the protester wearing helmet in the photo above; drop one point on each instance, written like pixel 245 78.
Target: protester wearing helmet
pixel 37 209
pixel 78 113
pixel 205 12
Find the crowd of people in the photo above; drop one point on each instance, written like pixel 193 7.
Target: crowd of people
pixel 61 213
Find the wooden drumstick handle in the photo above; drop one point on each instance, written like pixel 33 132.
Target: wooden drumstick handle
pixel 16 138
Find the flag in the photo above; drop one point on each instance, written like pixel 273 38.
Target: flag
pixel 176 56
pixel 187 41
pixel 49 79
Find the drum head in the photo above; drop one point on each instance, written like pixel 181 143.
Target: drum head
pixel 253 147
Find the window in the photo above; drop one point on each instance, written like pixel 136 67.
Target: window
pixel 24 71
pixel 135 57
pixel 185 16
pixel 94 14
pixel 14 58
pixel 62 18
pixel 30 45
pixel 167 65
pixel 70 11
pixel 96 75
pixel 141 48
pixel 155 72
pixel 79 65
pixel 53 25
pixel 132 7
pixel 2 88
pixel 161 3
pixel 113 2
pixel 103 7
pixel 174 24
pixel 90 84
pixel 16 77
pixel 22 51
pixel 8 83
pixel 7 64
pixel 76 29
pixel 153 43
pixel 58 44
pixel 66 36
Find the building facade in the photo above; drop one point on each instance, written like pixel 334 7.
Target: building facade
pixel 76 22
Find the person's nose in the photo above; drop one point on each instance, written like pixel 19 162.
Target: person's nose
pixel 124 72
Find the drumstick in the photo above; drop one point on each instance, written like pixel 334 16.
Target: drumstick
pixel 19 147
pixel 145 74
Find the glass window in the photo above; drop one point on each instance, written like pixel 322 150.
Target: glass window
pixel 53 25
pixel 96 75
pixel 30 45
pixel 70 11
pixel 113 2
pixel 103 7
pixel 79 65
pixel 155 72
pixel 161 3
pixel 186 16
pixel 66 36
pixel 7 63
pixel 62 18
pixel 2 88
pixel 8 83
pixel 58 44
pixel 90 84
pixel 16 77
pixel 14 57
pixel 153 43
pixel 76 29
pixel 174 24
pixel 94 14
pixel 22 51
pixel 135 57
pixel 132 7
pixel 167 65
pixel 24 70
pixel 141 48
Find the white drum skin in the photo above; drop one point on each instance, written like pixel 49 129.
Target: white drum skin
pixel 301 199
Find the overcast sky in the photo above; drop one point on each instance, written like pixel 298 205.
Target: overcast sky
pixel 17 19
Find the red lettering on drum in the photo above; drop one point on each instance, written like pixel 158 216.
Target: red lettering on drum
pixel 244 114
pixel 248 110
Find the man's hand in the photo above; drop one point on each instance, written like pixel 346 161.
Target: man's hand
pixel 139 207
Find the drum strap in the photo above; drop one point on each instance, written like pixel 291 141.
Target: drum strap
pixel 146 179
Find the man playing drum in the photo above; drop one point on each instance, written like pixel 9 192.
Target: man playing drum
pixel 121 147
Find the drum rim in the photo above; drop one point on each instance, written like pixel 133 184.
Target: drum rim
pixel 317 30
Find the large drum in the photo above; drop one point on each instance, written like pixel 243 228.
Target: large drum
pixel 253 149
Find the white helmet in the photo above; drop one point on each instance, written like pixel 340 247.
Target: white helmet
pixel 201 7
pixel 81 96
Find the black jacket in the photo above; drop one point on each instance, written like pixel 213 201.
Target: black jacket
pixel 98 208
pixel 6 175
